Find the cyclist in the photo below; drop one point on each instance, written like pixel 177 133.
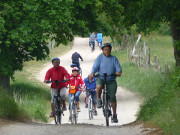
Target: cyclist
pixel 75 58
pixel 106 63
pixel 76 80
pixel 91 84
pixel 57 72
pixel 92 39
pixel 99 39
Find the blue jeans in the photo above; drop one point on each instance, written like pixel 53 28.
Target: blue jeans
pixel 77 94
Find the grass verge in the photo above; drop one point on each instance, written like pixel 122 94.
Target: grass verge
pixel 160 92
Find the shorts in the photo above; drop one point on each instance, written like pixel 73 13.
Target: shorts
pixel 62 93
pixel 94 97
pixel 111 88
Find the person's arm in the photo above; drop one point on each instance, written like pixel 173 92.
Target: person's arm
pixel 118 67
pixel 95 67
pixel 66 74
pixel 47 76
pixel 80 57
pixel 82 83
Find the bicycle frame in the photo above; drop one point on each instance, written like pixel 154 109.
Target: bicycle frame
pixel 73 109
pixel 90 105
pixel 57 108
pixel 106 107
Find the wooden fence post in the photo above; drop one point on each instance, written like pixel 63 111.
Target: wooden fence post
pixel 141 56
pixel 149 57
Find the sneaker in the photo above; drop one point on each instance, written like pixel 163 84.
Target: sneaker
pixel 114 118
pixel 95 113
pixel 51 115
pixel 86 106
pixel 78 110
pixel 99 103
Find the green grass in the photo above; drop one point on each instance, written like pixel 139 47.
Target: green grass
pixel 160 92
pixel 9 108
pixel 32 97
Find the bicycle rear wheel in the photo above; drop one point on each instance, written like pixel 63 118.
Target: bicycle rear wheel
pixel 90 109
pixel 57 112
pixel 106 110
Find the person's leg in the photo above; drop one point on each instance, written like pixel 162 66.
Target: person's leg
pixel 112 89
pixel 53 92
pixel 77 99
pixel 94 98
pixel 99 85
pixel 63 96
pixel 87 95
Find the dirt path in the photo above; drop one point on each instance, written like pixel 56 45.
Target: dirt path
pixel 127 102
pixel 128 105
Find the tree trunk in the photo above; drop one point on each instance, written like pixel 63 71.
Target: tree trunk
pixel 175 30
pixel 5 82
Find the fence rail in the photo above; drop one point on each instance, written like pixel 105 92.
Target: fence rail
pixel 141 55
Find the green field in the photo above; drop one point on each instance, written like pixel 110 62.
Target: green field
pixel 160 92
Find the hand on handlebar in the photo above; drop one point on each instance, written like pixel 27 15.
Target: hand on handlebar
pixel 46 81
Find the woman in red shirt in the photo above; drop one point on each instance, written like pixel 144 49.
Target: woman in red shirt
pixel 76 80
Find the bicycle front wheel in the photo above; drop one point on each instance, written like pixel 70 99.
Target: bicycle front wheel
pixel 57 112
pixel 75 113
pixel 71 113
pixel 106 111
pixel 90 109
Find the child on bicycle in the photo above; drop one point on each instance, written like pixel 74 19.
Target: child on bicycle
pixel 91 84
pixel 76 80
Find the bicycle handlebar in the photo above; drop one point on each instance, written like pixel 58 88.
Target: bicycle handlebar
pixel 56 81
pixel 105 75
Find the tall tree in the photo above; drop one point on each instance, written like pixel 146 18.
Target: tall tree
pixel 147 15
pixel 27 25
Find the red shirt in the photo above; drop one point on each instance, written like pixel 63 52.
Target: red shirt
pixel 76 81
pixel 59 73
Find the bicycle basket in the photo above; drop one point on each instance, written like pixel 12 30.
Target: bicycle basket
pixel 72 89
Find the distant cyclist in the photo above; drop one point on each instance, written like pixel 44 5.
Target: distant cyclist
pixel 91 84
pixel 57 73
pixel 99 39
pixel 75 58
pixel 92 39
pixel 106 63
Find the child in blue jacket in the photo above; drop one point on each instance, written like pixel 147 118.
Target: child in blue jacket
pixel 91 85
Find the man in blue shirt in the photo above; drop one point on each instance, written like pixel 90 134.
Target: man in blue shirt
pixel 90 89
pixel 106 63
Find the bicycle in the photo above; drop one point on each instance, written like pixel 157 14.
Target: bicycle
pixel 106 104
pixel 90 105
pixel 57 109
pixel 73 109
pixel 92 45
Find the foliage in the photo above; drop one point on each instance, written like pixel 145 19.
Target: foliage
pixel 26 27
